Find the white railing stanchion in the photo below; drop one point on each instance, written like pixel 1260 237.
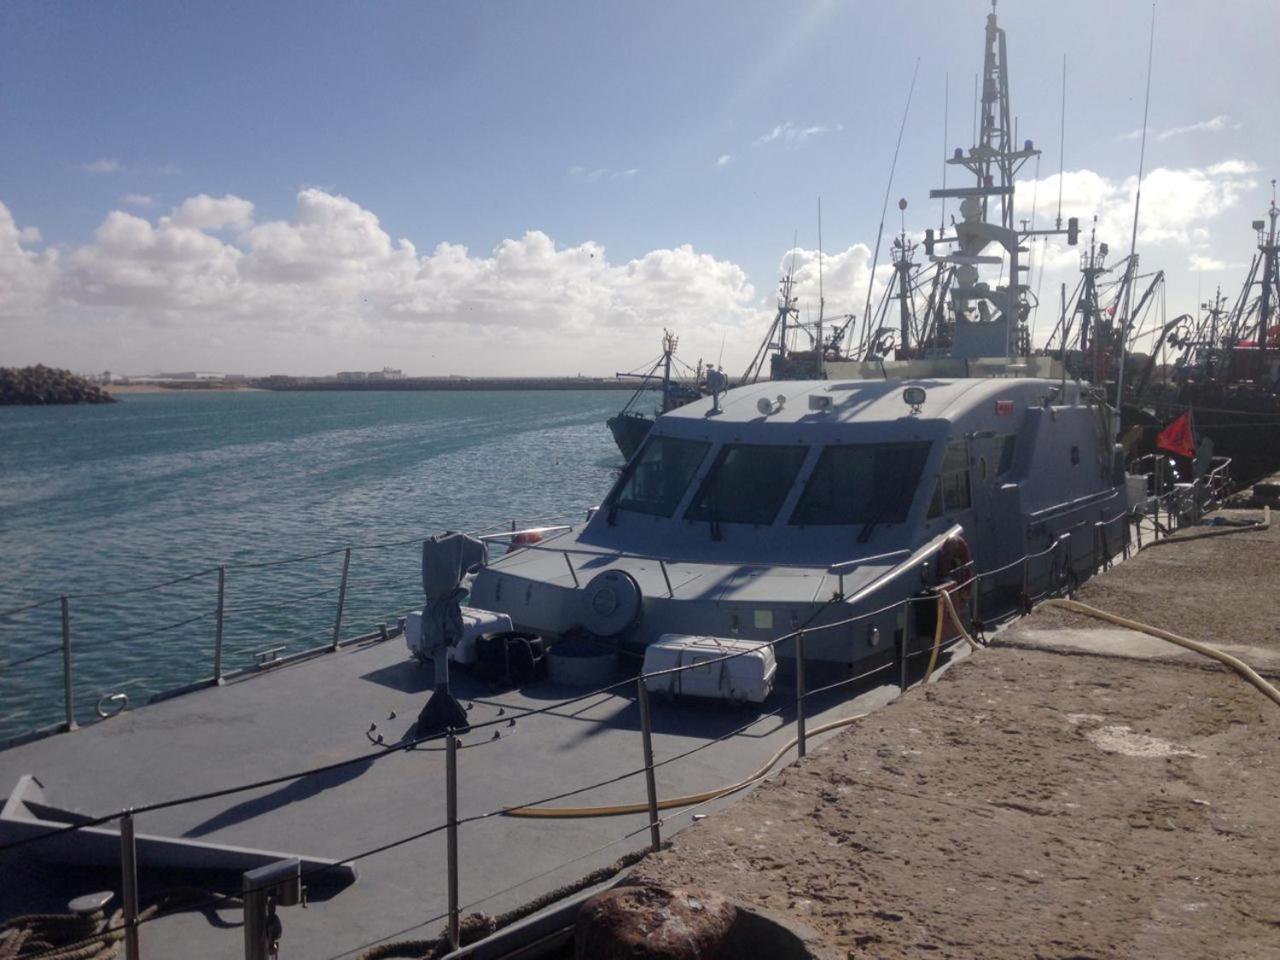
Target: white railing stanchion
pixel 451 817
pixel 68 694
pixel 342 598
pixel 217 637
pixel 650 785
pixel 802 743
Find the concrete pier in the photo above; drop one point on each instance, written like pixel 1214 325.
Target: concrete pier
pixel 1078 789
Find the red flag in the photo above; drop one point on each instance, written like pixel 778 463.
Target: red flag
pixel 1178 437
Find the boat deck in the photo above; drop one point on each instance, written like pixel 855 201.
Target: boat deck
pixel 315 712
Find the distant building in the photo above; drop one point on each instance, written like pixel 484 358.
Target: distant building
pixel 352 376
pixel 386 373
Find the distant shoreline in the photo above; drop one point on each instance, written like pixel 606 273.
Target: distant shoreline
pixel 316 385
pixel 124 388
pixel 450 383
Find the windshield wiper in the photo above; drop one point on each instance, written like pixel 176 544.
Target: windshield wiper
pixel 872 521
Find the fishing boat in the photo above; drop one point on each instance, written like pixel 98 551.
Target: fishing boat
pixel 630 425
pixel 1227 369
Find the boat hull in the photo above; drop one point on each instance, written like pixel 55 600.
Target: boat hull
pixel 629 430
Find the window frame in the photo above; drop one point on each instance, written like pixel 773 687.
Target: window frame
pixel 800 453
pixel 615 502
pixel 924 450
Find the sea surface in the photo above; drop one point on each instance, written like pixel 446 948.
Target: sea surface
pixel 102 502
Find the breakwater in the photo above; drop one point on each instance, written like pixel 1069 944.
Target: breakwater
pixel 40 385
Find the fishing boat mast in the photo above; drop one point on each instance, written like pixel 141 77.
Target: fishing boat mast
pixel 1269 250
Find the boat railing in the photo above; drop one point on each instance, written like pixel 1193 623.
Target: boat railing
pixel 904 665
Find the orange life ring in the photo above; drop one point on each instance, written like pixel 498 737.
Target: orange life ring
pixel 955 566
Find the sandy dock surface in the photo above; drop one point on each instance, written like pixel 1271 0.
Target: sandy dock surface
pixel 1045 797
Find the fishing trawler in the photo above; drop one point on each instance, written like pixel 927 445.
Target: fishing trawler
pixel 630 425
pixel 1227 371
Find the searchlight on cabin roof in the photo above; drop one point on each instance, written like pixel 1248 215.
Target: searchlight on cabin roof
pixel 914 397
pixel 768 407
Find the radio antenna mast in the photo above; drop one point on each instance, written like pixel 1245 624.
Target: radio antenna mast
pixel 1132 266
pixel 822 347
pixel 888 189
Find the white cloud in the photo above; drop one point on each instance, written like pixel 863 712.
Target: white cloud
pixel 331 274
pixel 101 165
pixel 143 200
pixel 596 174
pixel 1213 125
pixel 1177 203
pixel 212 213
pixel 724 160
pixel 27 277
pixel 788 132
pixel 1199 262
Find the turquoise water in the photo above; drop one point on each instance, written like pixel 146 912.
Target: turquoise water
pixel 96 500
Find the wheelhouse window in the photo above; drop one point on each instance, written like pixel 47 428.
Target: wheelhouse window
pixel 954 479
pixel 657 479
pixel 747 484
pixel 862 483
pixel 1008 447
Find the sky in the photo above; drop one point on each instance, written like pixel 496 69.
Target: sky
pixel 493 188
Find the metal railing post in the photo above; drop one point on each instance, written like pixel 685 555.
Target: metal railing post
pixel 802 746
pixel 451 816
pixel 572 572
pixel 975 611
pixel 650 785
pixel 342 598
pixel 902 641
pixel 129 885
pixel 217 638
pixel 68 694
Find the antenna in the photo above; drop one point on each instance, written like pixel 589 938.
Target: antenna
pixel 822 348
pixel 1062 137
pixel 888 188
pixel 975 109
pixel 1133 240
pixel 946 139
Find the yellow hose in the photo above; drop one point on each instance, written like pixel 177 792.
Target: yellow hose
pixel 946 605
pixel 937 632
pixel 1235 663
pixel 671 803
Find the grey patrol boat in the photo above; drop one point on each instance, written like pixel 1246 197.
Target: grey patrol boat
pixel 802 503
pixel 806 502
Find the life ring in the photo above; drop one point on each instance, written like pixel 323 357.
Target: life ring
pixel 955 566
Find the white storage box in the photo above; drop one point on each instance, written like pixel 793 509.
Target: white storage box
pixel 475 624
pixel 747 678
